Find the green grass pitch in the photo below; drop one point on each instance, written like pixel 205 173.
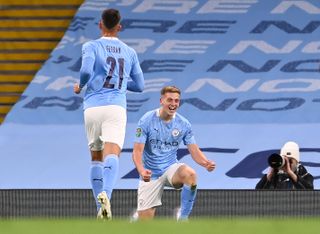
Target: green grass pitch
pixel 163 226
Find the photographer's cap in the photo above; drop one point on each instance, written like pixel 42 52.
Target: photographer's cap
pixel 291 150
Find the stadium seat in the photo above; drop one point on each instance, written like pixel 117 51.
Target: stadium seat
pixel 29 30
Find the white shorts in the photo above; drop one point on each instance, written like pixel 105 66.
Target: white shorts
pixel 105 124
pixel 150 193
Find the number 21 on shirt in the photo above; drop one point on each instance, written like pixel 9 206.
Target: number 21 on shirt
pixel 113 62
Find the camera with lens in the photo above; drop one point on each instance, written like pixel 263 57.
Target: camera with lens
pixel 276 161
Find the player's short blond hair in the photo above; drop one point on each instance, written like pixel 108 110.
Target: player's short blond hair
pixel 170 89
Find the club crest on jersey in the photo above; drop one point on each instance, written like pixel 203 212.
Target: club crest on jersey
pixel 175 132
pixel 138 132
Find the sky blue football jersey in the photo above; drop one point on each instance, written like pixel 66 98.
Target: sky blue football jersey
pixel 114 64
pixel 162 140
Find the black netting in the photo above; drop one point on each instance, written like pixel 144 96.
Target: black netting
pixel 57 203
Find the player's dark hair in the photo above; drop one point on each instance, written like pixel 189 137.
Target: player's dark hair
pixel 170 89
pixel 110 18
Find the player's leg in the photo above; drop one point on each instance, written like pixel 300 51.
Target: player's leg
pixel 112 135
pixel 187 177
pixel 93 132
pixel 96 174
pixel 111 154
pixel 104 211
pixel 110 168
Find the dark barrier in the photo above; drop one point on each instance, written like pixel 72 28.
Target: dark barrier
pixel 211 203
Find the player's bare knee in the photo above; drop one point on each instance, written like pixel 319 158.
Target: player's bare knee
pixel 192 177
pixel 189 176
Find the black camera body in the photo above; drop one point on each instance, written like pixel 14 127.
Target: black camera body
pixel 276 161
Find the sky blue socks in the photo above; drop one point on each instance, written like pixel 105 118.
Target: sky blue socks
pixel 188 195
pixel 110 173
pixel 96 179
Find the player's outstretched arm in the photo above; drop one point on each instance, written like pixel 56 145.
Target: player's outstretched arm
pixel 137 159
pixel 199 157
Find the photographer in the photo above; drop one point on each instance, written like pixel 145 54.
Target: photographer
pixel 285 170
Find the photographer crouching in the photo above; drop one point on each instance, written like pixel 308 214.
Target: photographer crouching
pixel 285 170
